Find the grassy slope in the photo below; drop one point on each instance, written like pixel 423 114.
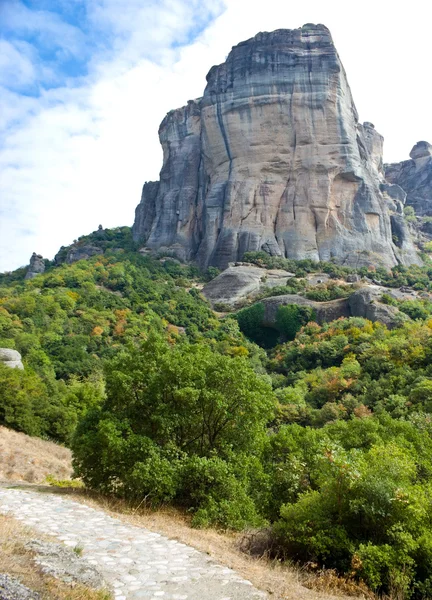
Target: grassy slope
pixel 25 458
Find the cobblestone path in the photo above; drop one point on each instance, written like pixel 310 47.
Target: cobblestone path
pixel 135 562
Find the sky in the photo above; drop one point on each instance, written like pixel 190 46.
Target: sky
pixel 84 85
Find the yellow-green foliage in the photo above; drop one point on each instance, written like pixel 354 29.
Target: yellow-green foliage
pixel 328 438
pixel 64 483
pixel 69 320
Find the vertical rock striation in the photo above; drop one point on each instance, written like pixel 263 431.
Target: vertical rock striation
pixel 272 157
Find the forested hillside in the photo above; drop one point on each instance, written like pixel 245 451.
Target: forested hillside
pixel 325 438
pixel 68 321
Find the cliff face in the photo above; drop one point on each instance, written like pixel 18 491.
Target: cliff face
pixel 415 178
pixel 36 266
pixel 272 157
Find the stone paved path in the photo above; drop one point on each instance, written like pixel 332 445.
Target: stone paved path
pixel 135 562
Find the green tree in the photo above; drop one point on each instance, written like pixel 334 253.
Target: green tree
pixel 166 404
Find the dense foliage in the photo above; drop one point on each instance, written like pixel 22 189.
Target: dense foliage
pixel 326 438
pixel 180 423
pixel 69 320
pixel 289 320
pixel 419 277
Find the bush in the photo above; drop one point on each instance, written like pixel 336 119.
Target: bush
pixel 368 510
pixel 409 213
pixel 217 496
pixel 174 421
pixel 291 318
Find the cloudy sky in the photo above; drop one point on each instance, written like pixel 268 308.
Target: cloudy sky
pixel 85 84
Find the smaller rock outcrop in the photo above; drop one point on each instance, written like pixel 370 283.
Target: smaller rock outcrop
pixel 12 589
pixel 362 303
pixel 36 267
pixel 238 282
pixel 11 358
pixel 64 564
pixel 324 311
pixel 76 252
pixel 415 178
pixel 82 252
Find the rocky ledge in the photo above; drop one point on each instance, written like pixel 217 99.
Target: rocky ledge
pixel 362 303
pixel 239 281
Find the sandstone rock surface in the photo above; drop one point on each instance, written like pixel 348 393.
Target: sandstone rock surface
pixel 11 358
pixel 77 252
pixel 325 311
pixel 36 267
pixel 362 303
pixel 273 158
pixel 238 282
pixel 415 178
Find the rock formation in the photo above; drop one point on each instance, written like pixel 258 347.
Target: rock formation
pixel 364 302
pixel 76 252
pixel 36 267
pixel 239 281
pixel 325 311
pixel 415 178
pixel 11 358
pixel 273 158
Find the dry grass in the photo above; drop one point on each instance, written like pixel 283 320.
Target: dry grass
pixel 280 581
pixel 17 561
pixel 327 580
pixel 25 458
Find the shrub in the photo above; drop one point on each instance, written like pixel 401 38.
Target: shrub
pixel 409 213
pixel 173 423
pixel 291 318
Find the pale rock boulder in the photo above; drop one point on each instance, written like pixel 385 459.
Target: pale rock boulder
pixel 238 282
pixel 273 158
pixel 11 358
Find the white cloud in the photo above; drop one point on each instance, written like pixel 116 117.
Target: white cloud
pixel 78 155
pixel 16 67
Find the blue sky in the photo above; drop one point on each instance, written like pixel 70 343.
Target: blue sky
pixel 85 83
